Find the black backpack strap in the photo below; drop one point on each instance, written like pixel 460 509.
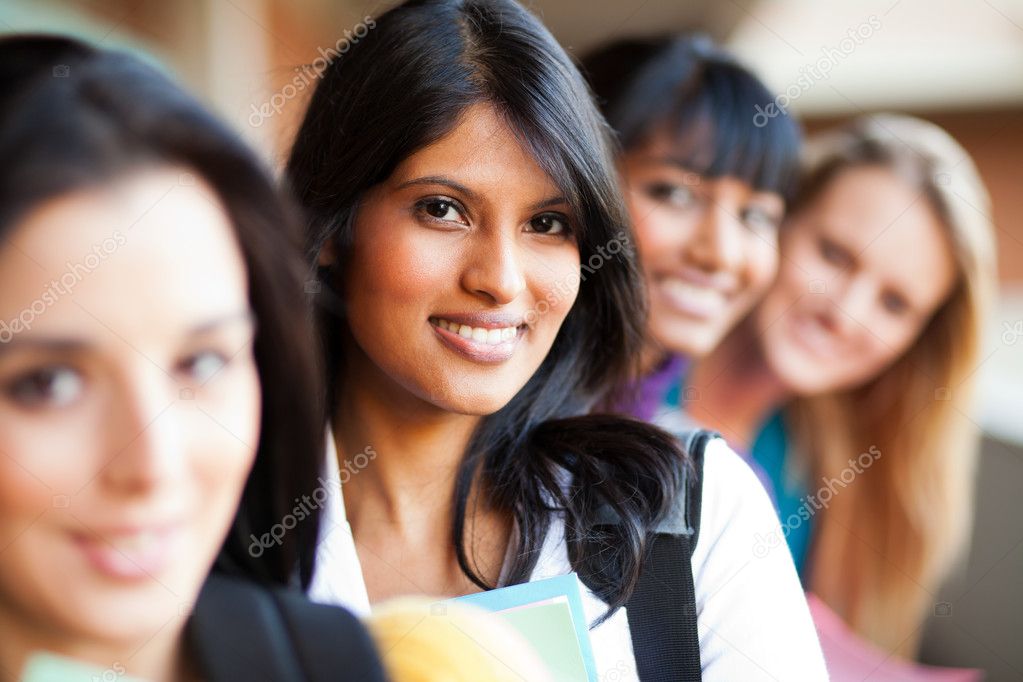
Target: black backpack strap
pixel 662 608
pixel 241 631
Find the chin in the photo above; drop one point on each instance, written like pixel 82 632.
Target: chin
pixel 470 404
pixel 691 340
pixel 800 377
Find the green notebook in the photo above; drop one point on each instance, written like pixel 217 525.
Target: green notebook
pixel 549 615
pixel 47 667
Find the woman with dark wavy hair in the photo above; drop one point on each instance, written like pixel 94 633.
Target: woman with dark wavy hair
pixel 479 299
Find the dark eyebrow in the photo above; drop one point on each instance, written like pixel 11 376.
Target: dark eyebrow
pixel 441 180
pixel 60 345
pixel 462 189
pixel 551 201
pixel 673 161
pixel 71 345
pixel 246 317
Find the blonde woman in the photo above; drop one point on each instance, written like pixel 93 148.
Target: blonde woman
pixel 851 382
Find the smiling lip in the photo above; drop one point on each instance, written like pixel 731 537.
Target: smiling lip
pixel 130 553
pixel 812 337
pixel 485 320
pixel 692 300
pixel 486 339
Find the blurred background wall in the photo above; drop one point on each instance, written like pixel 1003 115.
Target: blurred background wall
pixel 956 62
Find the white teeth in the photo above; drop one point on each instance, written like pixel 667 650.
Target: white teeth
pixel 491 337
pixel 708 301
pixel 703 297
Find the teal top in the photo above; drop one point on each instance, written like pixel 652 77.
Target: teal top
pixel 772 452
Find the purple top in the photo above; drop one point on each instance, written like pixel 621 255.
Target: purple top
pixel 650 393
pixel 661 391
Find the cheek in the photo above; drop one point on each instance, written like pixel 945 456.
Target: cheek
pixel 761 265
pixel 887 341
pixel 659 230
pixel 226 433
pixel 43 461
pixel 801 270
pixel 399 270
pixel 25 494
pixel 554 282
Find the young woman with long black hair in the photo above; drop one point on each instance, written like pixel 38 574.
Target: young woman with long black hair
pixel 706 183
pixel 479 298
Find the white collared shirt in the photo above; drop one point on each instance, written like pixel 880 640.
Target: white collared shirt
pixel 752 616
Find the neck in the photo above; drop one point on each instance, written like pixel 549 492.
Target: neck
pixel 650 357
pixel 737 391
pixel 409 451
pixel 160 658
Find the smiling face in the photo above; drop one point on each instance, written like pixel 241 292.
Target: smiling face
pixel 708 247
pixel 462 269
pixel 129 409
pixel 864 268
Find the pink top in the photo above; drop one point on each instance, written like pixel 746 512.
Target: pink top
pixel 850 657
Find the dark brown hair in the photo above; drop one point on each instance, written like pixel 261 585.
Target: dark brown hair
pixel 74 117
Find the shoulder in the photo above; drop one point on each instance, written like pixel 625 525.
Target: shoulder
pixel 735 512
pixel 728 480
pixel 753 619
pixel 277 630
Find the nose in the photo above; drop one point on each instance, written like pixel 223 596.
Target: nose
pixel 716 245
pixel 495 269
pixel 143 435
pixel 851 303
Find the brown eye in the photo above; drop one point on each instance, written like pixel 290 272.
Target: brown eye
pixel 438 209
pixel 203 366
pixel 57 386
pixel 549 223
pixel 441 209
pixel 676 195
pixel 894 303
pixel 834 254
pixel 757 218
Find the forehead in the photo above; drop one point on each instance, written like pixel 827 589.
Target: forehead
pixel 137 257
pixel 892 229
pixel 482 150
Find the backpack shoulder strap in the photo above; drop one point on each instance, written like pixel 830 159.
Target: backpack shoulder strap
pixel 694 442
pixel 241 630
pixel 662 608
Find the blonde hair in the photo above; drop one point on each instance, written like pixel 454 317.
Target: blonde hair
pixel 888 539
pixel 425 641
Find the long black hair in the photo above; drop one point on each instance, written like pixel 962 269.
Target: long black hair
pixel 404 86
pixel 708 104
pixel 74 117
